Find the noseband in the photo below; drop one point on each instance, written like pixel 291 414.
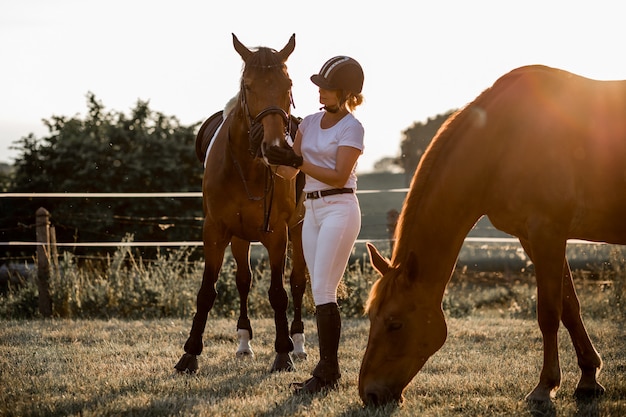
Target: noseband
pixel 255 125
pixel 256 133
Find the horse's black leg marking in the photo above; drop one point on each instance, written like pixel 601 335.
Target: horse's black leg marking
pixel 241 253
pixel 204 303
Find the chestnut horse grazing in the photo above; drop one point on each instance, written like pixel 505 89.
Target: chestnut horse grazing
pixel 245 201
pixel 543 154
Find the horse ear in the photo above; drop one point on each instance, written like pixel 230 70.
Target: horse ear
pixel 241 49
pixel 288 49
pixel 379 263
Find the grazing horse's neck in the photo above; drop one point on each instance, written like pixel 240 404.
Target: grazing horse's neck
pixel 437 237
pixel 438 213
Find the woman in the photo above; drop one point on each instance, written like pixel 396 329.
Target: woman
pixel 326 149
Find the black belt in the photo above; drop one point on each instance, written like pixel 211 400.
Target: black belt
pixel 318 194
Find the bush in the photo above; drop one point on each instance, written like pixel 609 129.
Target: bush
pixel 128 287
pixel 20 302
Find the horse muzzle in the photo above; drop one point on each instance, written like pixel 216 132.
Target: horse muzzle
pixel 375 395
pixel 256 133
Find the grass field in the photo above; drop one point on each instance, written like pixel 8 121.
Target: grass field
pixel 125 368
pixel 90 366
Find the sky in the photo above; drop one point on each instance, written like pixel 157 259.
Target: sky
pixel 420 58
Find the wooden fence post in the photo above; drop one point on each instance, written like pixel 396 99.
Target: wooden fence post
pixel 43 261
pixel 392 222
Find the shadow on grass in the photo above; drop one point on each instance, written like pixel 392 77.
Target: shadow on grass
pixel 300 401
pixel 587 407
pixel 541 409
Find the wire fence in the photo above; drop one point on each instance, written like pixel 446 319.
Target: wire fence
pixel 104 244
pixel 194 243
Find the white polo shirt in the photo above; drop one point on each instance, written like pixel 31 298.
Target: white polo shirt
pixel 319 146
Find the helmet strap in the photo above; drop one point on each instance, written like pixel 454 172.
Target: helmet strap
pixel 333 109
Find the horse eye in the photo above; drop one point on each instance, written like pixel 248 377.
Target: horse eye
pixel 395 326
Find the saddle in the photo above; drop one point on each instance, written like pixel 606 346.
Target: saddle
pixel 209 128
pixel 206 133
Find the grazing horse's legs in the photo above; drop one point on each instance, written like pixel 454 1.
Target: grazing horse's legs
pixel 213 258
pixel 589 360
pixel 241 253
pixel 547 254
pixel 297 281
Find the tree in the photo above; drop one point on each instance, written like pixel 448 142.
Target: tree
pixel 388 164
pixel 108 151
pixel 415 140
pixel 5 176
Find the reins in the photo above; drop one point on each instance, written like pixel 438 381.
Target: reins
pixel 255 134
pixel 268 188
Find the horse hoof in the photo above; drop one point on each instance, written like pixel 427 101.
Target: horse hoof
pixel 300 356
pixel 244 350
pixel 188 364
pixel 589 393
pixel 283 363
pixel 299 353
pixel 245 354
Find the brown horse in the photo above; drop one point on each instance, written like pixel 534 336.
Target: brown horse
pixel 542 153
pixel 245 201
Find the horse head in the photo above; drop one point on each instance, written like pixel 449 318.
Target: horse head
pixel 407 326
pixel 265 96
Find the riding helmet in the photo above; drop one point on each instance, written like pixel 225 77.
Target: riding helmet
pixel 340 73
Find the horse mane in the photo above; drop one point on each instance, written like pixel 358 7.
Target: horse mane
pixel 382 289
pixel 472 113
pixel 442 140
pixel 385 286
pixel 230 105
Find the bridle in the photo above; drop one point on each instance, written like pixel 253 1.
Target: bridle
pixel 255 138
pixel 255 125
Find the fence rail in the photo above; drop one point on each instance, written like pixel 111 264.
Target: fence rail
pixel 188 194
pixel 46 245
pixel 194 194
pixel 198 194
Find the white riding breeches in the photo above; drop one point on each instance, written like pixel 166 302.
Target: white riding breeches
pixel 331 226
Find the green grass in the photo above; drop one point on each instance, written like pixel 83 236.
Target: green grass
pixel 116 367
pixel 118 331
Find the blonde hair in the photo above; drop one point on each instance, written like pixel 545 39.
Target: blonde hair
pixel 352 101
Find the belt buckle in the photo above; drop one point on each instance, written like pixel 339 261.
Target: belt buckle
pixel 314 195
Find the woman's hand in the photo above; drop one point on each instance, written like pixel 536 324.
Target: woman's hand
pixel 283 156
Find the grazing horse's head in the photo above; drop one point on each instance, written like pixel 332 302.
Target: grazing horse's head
pixel 265 95
pixel 407 326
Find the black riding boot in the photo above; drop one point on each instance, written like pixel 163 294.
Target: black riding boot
pixel 326 374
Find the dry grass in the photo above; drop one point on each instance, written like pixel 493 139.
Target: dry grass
pixel 94 368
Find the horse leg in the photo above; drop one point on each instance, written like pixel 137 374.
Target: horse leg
pixel 589 360
pixel 241 253
pixel 548 259
pixel 297 281
pixel 213 258
pixel 279 301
